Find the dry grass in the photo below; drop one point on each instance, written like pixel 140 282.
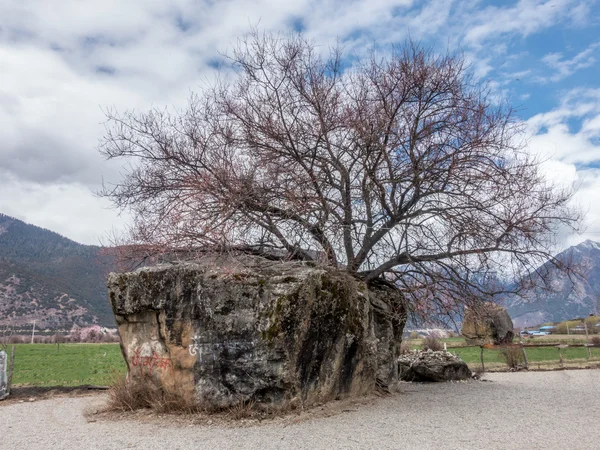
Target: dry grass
pixel 240 416
pixel 558 338
pixel 433 343
pixel 243 410
pixel 405 347
pixel 512 356
pixel 144 394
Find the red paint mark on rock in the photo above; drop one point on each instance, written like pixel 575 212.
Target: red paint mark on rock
pixel 152 363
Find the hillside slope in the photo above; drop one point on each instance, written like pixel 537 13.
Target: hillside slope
pixel 49 278
pixel 569 297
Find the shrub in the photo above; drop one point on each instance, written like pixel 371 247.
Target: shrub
pixel 595 340
pixel 92 336
pixel 404 348
pixel 567 326
pixel 108 337
pixel 75 335
pixel 512 356
pixel 16 340
pixel 144 394
pixel 432 342
pixel 591 322
pixel 414 335
pixel 242 410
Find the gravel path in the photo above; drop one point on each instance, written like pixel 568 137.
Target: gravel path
pixel 553 410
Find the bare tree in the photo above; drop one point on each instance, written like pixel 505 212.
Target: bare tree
pixel 75 334
pixel 399 168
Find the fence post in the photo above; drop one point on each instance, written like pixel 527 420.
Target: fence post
pixel 560 357
pixel 11 368
pixel 587 339
pixel 482 364
pixel 560 353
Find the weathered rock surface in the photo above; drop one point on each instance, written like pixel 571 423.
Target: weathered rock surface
pixel 428 365
pixel 488 323
pixel 224 330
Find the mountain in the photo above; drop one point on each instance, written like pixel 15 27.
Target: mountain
pixel 569 297
pixel 49 278
pixel 58 282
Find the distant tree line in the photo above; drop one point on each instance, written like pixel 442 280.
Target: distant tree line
pixel 76 335
pixel 577 326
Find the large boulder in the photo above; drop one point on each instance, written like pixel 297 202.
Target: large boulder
pixel 223 330
pixel 487 323
pixel 428 365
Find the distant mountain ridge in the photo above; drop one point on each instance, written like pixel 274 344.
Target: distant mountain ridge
pixel 51 279
pixel 570 297
pixel 58 282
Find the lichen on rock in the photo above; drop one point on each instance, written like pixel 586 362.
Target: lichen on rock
pixel 428 365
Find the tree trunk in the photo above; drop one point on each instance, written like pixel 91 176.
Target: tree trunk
pixel 11 368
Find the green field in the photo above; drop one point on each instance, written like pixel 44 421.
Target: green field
pixel 67 364
pixel 541 357
pixel 472 355
pixel 96 364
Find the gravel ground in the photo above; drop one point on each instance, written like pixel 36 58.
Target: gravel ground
pixel 513 410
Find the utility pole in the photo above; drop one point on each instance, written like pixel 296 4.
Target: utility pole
pixel 33 332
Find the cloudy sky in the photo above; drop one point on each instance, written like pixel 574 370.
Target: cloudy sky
pixel 62 62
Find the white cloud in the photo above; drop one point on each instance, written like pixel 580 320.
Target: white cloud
pixel 572 153
pixel 60 62
pixel 566 67
pixel 69 209
pixel 523 18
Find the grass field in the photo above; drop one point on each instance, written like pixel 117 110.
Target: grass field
pixel 67 364
pixel 540 358
pixel 549 339
pixel 471 355
pixel 97 364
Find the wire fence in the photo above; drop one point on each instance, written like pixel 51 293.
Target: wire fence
pixel 529 356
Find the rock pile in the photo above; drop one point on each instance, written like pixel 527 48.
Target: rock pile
pixel 428 365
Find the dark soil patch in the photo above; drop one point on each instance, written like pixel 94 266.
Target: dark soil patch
pixel 33 393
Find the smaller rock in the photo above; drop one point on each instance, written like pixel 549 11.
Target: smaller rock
pixel 432 366
pixel 488 323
